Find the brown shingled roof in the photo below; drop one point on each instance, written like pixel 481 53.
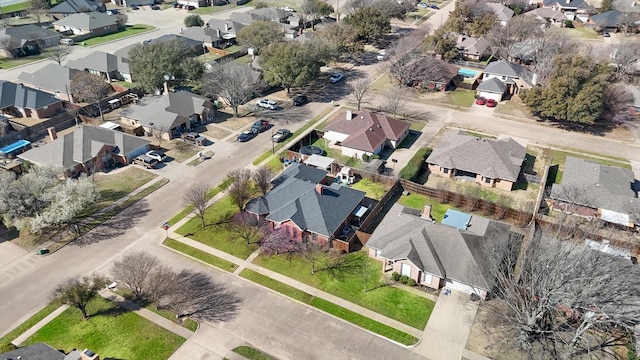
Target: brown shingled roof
pixel 367 130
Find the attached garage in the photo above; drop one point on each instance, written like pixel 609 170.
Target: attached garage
pixel 492 88
pixel 458 286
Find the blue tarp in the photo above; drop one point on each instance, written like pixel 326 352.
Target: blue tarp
pixel 457 219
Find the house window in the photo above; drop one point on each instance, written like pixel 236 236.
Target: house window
pixel 428 278
pixel 295 232
pixel 444 170
pixel 487 180
pixel 378 253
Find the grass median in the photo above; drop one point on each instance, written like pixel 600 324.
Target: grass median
pixel 331 308
pixel 200 255
pixel 29 323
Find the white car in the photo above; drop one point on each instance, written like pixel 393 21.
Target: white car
pixel 288 9
pixel 422 5
pixel 336 77
pixel 267 104
pixel 156 155
pixel 382 55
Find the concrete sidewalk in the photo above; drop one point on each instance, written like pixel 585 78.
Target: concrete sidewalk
pixel 32 330
pixel 298 285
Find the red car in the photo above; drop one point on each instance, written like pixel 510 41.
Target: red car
pixel 480 100
pixel 491 103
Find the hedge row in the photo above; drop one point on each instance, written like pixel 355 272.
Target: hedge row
pixel 415 165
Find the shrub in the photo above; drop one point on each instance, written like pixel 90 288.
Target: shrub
pixel 193 21
pixel 395 276
pixel 365 157
pixel 6 347
pixel 411 282
pixel 568 23
pixel 404 279
pixel 260 4
pixel 415 165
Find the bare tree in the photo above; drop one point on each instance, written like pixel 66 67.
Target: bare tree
pixel 39 9
pixel 262 177
pixel 196 295
pixel 617 99
pixel 553 44
pixel 568 199
pixel 86 87
pixel 59 53
pixel 567 302
pixel 504 203
pixel 517 36
pixel 247 227
pixel 9 45
pixel 240 189
pixel 156 284
pixel 360 91
pixel 233 83
pixel 313 253
pixel 134 271
pixel 78 292
pixel 196 196
pixel 395 101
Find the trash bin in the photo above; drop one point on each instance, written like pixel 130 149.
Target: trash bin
pixel 43 251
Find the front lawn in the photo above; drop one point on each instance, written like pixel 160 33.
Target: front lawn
pixel 20 329
pixel 179 150
pixel 252 354
pixel 111 332
pixel 129 30
pixel 460 98
pixel 189 208
pixel 113 187
pixel 348 283
pixel 200 255
pixel 6 63
pixel 216 234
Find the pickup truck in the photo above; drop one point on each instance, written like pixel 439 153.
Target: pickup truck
pixel 146 161
pixel 193 138
pixel 260 126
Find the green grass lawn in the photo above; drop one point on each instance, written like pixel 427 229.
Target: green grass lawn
pixel 374 190
pixel 200 255
pixel 6 63
pixel 113 187
pixel 348 284
pixel 208 10
pixel 218 236
pixel 559 158
pixel 252 354
pixel 417 201
pixel 330 308
pixel 417 125
pixel 15 7
pixel 337 154
pixel 129 30
pixel 189 324
pixel 384 83
pixel 44 312
pixel 460 98
pixel 582 33
pixel 111 331
pixel 189 209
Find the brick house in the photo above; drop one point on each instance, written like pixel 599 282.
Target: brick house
pixel 487 162
pixel 309 206
pixel 18 100
pixel 88 25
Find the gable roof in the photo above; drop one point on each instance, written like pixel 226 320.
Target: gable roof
pixel 296 199
pixel 509 69
pixel 613 18
pixel 492 85
pixel 88 21
pixel 270 14
pixel 20 96
pixel 605 187
pixel 226 27
pixel 80 146
pixel 96 60
pixel 367 130
pixel 571 4
pixel 501 12
pixel 436 248
pixel 51 77
pixel 166 111
pixel 202 34
pixel 39 351
pixel 76 6
pixel 495 159
pixel 473 46
pixel 627 6
pixel 246 17
pixel 547 12
pixel 30 32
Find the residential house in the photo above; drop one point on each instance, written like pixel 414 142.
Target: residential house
pixel 365 132
pixel 428 72
pixel 524 52
pixel 631 7
pixel 579 10
pixel 548 16
pixel 437 255
pixel 308 206
pixel 492 88
pixel 634 109
pixel 471 48
pixel 209 37
pixel 108 66
pixel 25 37
pixel 614 21
pixel 246 18
pixel 86 150
pixel 591 189
pixel 52 78
pixel 272 14
pixel 38 351
pixel 488 162
pixel 130 3
pixel 228 29
pixel 514 76
pixel 88 24
pixel 502 13
pixel 195 3
pixel 20 101
pixel 70 7
pixel 191 45
pixel 169 115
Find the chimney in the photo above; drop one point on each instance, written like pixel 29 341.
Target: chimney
pixel 218 32
pixel 568 1
pixel 426 214
pixel 319 188
pixel 52 133
pixel 226 27
pixel 349 115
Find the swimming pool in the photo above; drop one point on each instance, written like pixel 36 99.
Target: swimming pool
pixel 15 148
pixel 467 73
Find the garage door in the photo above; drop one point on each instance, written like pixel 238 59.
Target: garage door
pixel 458 286
pixel 406 270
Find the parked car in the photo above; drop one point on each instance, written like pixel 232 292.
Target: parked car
pixel 154 154
pixel 146 161
pixel 134 7
pixel 155 7
pixel 606 34
pixel 336 77
pixel 177 6
pixel 190 7
pixel 300 99
pixel 247 135
pixel 280 135
pixel 242 2
pixel 433 6
pixel 422 5
pixel 67 41
pixel 260 126
pixel 382 55
pixel 491 103
pixel 480 100
pixel 113 12
pixel 194 138
pixel 288 9
pixel 267 104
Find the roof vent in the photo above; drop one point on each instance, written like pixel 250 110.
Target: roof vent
pixel 370 129
pixel 361 116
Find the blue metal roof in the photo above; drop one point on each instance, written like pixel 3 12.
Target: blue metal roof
pixel 457 219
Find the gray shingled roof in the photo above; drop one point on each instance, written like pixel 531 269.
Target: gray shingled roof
pixel 30 32
pixel 605 187
pixel 89 21
pixel 636 95
pixel 166 111
pixel 245 18
pixel 506 68
pixel 492 85
pixel 80 146
pixel 296 199
pixel 39 351
pixel 572 4
pixel 473 46
pixel 627 6
pixel 613 18
pixel 495 159
pixel 438 249
pixel 207 35
pixel 97 60
pixel 51 77
pixel 225 26
pixel 550 13
pixel 501 12
pixel 76 6
pixel 20 96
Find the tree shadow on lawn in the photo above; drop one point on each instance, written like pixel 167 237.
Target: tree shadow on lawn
pixel 116 225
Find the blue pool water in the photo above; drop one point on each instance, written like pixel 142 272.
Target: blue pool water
pixel 16 147
pixel 467 73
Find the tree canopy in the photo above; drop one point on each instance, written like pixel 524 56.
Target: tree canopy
pixel 316 10
pixel 574 93
pixel 159 62
pixel 193 20
pixel 233 83
pixel 259 34
pixel 290 64
pixel 369 23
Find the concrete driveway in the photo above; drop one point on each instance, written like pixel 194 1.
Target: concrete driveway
pixel 445 336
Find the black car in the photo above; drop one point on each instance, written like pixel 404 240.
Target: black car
pixel 247 135
pixel 155 7
pixel 134 7
pixel 300 99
